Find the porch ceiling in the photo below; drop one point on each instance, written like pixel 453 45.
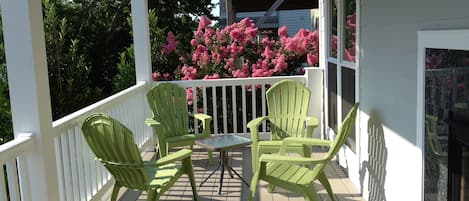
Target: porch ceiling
pixel 263 5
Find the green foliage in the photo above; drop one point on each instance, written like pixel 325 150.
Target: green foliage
pixel 6 126
pixel 170 16
pixel 126 68
pixel 90 53
pixel 69 65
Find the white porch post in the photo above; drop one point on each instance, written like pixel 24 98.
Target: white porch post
pixel 142 44
pixel 314 81
pixel 23 32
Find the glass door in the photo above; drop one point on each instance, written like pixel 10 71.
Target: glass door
pixel 445 114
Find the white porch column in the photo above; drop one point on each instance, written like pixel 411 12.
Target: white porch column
pixel 314 81
pixel 142 44
pixel 23 32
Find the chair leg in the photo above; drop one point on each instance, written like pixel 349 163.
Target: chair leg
pixel 254 158
pixel 309 193
pixel 270 188
pixel 210 160
pixel 152 196
pixel 115 191
pixel 325 183
pixel 187 162
pixel 252 189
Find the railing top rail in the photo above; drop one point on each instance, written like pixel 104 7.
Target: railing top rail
pixel 234 81
pixel 16 147
pixel 78 116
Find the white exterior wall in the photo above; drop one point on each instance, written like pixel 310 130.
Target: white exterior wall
pixel 296 19
pixel 391 159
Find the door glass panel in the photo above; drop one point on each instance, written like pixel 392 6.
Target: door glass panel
pixel 333 30
pixel 348 99
pixel 349 30
pixel 446 88
pixel 332 95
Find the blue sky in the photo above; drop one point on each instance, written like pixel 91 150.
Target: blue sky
pixel 216 11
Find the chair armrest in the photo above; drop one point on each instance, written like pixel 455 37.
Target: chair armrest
pixel 289 159
pixel 256 122
pixel 311 124
pixel 253 125
pixel 206 119
pixel 152 122
pixel 305 141
pixel 171 158
pixel 202 117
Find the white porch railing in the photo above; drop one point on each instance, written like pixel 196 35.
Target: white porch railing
pixel 231 102
pixel 80 176
pixel 11 158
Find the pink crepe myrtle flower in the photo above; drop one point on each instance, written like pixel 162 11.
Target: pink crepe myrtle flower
pixel 268 53
pixel 334 42
pixel 189 72
pixel 312 59
pixel 237 35
pixel 267 42
pixel 283 31
pixel 351 21
pixel 200 110
pixel 166 76
pixel 193 42
pixel 203 23
pixel 280 64
pixel 190 96
pixel 241 73
pixel 433 61
pixel 349 56
pixel 212 77
pixel 155 76
pixel 171 43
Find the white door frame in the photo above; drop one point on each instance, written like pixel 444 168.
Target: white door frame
pixel 346 156
pixel 439 39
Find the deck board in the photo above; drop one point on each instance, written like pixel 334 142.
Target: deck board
pixel 233 188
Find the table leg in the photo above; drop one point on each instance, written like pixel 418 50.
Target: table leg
pixel 239 176
pixel 227 165
pixel 206 178
pixel 223 164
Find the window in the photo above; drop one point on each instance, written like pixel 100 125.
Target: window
pixel 341 63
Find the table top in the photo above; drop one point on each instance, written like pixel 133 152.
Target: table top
pixel 223 142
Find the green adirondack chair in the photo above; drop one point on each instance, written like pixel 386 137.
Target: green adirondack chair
pixel 287 102
pixel 298 173
pixel 171 118
pixel 113 144
pixel 431 123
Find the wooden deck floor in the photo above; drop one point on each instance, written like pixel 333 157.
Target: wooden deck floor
pixel 233 188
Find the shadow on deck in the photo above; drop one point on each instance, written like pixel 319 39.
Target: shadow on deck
pixel 233 188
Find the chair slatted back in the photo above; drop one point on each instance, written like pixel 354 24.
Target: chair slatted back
pixel 287 102
pixel 341 137
pixel 113 144
pixel 169 106
pixel 343 133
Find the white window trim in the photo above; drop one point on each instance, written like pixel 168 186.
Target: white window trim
pixel 439 39
pixel 338 60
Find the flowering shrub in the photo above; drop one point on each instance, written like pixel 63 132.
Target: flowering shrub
pixel 236 51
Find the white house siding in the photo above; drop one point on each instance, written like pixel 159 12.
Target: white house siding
pixel 388 88
pixel 296 19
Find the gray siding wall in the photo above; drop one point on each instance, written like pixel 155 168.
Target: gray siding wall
pixel 388 56
pixel 295 19
pixel 388 86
